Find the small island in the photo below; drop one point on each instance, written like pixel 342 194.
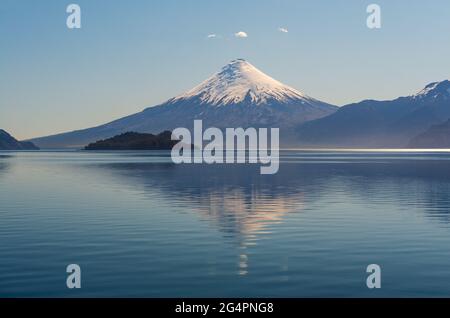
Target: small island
pixel 135 141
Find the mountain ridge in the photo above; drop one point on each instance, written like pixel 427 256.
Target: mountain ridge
pixel 380 124
pixel 8 142
pixel 437 136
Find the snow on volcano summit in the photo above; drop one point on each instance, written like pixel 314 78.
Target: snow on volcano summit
pixel 240 81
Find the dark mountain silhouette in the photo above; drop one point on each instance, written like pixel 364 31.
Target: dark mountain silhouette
pixel 239 95
pixel 383 124
pixel 437 136
pixel 135 141
pixel 7 142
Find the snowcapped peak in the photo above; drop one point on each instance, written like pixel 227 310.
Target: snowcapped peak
pixel 239 66
pixel 240 81
pixel 237 63
pixel 435 90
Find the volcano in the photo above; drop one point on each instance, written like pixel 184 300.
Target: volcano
pixel 239 95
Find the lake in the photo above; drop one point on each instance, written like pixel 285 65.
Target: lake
pixel 141 226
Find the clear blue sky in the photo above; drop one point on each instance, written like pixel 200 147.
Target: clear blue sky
pixel 132 54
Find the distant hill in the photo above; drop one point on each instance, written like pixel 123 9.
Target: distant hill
pixel 239 95
pixel 7 142
pixel 437 136
pixel 135 141
pixel 373 124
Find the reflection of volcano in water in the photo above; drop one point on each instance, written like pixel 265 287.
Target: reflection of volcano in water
pixel 236 199
pixel 239 195
pixel 246 216
pixel 245 205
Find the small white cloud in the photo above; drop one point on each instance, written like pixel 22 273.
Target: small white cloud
pixel 212 36
pixel 284 30
pixel 241 34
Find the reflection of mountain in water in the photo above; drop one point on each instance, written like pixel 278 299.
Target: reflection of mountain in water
pixel 413 184
pixel 236 198
pixel 240 202
pixel 245 205
pixel 3 163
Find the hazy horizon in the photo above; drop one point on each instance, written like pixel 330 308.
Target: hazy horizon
pixel 129 57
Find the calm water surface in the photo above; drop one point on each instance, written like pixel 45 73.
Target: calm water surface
pixel 139 225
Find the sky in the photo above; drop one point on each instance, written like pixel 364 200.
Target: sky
pixel 129 55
